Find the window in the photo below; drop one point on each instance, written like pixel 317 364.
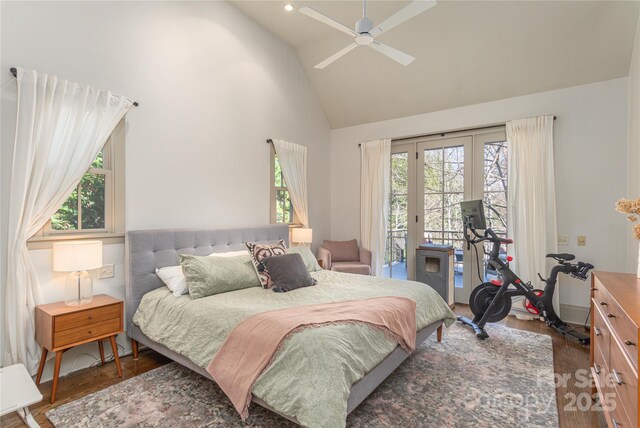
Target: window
pixel 95 209
pixel 281 206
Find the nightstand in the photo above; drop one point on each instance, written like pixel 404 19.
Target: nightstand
pixel 60 327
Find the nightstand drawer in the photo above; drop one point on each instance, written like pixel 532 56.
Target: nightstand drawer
pixel 89 316
pixel 86 332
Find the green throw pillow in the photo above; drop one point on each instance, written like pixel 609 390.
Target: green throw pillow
pixel 207 276
pixel 310 261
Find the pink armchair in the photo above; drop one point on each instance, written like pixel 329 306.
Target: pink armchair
pixel 345 256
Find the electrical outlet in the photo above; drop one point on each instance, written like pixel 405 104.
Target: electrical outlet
pixel 563 239
pixel 106 271
pixel 582 240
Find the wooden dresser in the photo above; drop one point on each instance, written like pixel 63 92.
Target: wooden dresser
pixel 615 324
pixel 60 327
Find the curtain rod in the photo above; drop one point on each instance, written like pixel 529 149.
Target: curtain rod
pixel 15 74
pixel 442 134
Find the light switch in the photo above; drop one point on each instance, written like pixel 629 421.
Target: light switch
pixel 106 271
pixel 582 240
pixel 563 239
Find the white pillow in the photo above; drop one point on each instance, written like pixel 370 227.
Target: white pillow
pixel 174 279
pixel 230 253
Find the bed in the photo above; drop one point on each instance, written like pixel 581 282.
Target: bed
pixel 150 249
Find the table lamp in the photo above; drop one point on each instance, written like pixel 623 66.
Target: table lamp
pixel 77 257
pixel 301 235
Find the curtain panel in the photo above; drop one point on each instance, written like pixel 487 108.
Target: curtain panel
pixel 531 211
pixel 375 157
pixel 293 161
pixel 61 126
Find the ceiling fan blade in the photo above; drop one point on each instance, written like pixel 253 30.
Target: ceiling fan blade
pixel 394 54
pixel 414 8
pixel 312 13
pixel 335 56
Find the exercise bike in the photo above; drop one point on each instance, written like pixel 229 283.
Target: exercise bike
pixel 491 301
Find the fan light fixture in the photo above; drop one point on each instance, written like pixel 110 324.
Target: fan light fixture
pixel 365 31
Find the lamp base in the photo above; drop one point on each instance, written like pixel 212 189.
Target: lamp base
pixel 78 289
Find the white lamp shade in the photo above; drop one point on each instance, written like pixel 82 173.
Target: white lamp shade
pixel 301 235
pixel 72 256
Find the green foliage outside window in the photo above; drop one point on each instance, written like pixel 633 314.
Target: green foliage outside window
pixel 89 213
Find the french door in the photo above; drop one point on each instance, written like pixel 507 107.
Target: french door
pixel 444 179
pixel 429 179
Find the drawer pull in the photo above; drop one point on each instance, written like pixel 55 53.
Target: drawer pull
pixel 629 343
pixel 597 331
pixel 594 289
pixel 596 367
pixel 616 377
pixel 90 317
pixel 603 303
pixel 610 316
pixel 90 331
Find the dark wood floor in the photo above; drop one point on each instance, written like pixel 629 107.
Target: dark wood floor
pixel 568 358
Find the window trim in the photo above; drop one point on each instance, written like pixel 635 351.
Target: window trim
pixel 114 230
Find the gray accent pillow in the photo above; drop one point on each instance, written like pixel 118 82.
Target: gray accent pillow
pixel 259 252
pixel 288 272
pixel 207 276
pixel 308 257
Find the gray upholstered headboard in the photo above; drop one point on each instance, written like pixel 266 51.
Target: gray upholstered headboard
pixel 146 250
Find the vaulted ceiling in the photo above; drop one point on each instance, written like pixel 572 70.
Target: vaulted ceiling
pixel 467 52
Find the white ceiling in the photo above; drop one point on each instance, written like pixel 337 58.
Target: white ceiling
pixel 467 52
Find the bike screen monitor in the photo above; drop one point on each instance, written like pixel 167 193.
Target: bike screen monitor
pixel 473 214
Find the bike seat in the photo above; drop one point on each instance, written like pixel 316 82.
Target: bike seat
pixel 562 256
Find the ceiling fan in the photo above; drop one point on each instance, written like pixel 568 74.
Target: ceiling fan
pixel 366 32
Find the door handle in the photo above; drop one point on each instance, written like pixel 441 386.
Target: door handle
pixel 610 316
pixel 596 368
pixel 597 331
pixel 629 343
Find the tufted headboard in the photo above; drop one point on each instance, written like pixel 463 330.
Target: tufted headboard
pixel 146 250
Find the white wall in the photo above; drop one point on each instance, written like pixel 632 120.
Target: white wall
pixel 212 86
pixel 590 153
pixel 633 159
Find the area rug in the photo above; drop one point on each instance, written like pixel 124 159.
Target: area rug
pixel 461 382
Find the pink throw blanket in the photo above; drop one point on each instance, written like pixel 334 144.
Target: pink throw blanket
pixel 252 344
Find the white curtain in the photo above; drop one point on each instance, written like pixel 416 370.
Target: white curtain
pixel 531 213
pixel 61 126
pixel 293 161
pixel 375 175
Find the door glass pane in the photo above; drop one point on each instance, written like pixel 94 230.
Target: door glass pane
pixel 395 263
pixel 495 195
pixel 443 192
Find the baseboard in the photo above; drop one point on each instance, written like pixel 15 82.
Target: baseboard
pixel 573 314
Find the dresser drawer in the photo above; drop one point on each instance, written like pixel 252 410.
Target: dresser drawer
pixel 625 382
pixel 601 296
pixel 601 336
pixel 89 316
pixel 86 332
pixel 627 333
